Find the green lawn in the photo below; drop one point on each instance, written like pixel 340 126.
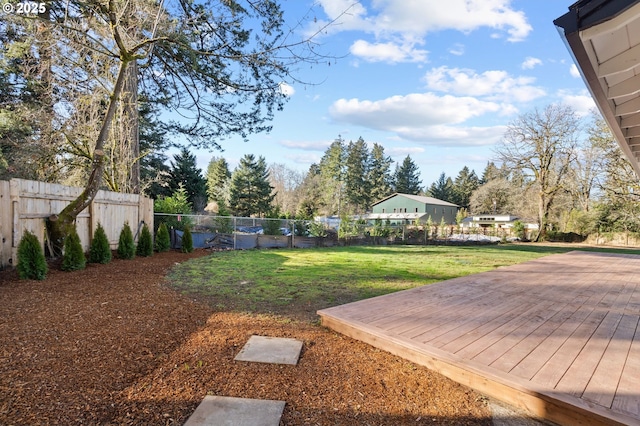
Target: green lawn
pixel 297 282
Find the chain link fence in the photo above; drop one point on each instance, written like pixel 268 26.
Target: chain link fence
pixel 241 233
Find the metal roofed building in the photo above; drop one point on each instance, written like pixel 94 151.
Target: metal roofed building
pixel 406 209
pixel 604 38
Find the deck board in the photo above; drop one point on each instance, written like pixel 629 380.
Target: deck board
pixel 558 336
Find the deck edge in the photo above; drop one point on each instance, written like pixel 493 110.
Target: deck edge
pixel 562 409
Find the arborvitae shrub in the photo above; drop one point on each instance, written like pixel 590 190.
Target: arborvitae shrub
pixel 126 246
pixel 145 242
pixel 100 250
pixel 187 241
pixel 163 241
pixel 73 258
pixel 31 262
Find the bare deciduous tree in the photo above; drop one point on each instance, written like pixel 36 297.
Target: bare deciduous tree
pixel 219 64
pixel 542 144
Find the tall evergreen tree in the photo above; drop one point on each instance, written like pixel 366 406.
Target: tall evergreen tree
pixel 185 171
pixel 356 185
pixel 407 178
pixel 154 171
pixel 332 176
pixel 311 199
pixel 379 177
pixel 465 183
pixel 218 176
pixel 442 189
pixel 490 173
pixel 250 192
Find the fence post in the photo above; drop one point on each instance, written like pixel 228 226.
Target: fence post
pixel 292 227
pixel 234 232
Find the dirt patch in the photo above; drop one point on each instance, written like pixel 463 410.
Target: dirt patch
pixel 112 345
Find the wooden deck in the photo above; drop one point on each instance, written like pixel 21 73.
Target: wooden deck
pixel 558 336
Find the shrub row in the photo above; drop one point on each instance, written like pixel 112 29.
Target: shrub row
pixel 33 265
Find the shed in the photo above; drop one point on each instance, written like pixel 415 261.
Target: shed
pixel 407 208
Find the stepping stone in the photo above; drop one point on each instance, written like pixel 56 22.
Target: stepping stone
pixel 271 350
pixel 228 411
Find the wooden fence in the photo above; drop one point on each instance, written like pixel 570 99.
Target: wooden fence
pixel 25 205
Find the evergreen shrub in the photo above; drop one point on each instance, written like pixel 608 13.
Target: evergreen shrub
pixel 163 241
pixel 126 246
pixel 31 262
pixel 100 250
pixel 145 242
pixel 73 258
pixel 187 241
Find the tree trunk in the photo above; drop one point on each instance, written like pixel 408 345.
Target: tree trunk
pixel 130 116
pixel 60 225
pixel 543 217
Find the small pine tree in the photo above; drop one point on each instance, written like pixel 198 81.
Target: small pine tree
pixel 145 242
pixel 73 258
pixel 100 250
pixel 187 241
pixel 126 246
pixel 163 241
pixel 31 262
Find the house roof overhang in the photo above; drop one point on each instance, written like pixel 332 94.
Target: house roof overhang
pixel 603 37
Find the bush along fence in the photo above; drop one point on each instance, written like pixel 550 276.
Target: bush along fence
pixel 25 206
pixel 242 233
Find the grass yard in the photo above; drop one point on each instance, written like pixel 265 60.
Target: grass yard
pixel 297 282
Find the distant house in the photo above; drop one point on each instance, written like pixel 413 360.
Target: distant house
pixel 494 221
pixel 406 209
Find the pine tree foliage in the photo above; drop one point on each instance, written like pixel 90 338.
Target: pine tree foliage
pixel 332 175
pixel 218 176
pixel 126 245
pixel 356 185
pixel 185 174
pixel 100 250
pixel 163 240
pixel 407 178
pixel 145 242
pixel 379 177
pixel 442 189
pixel 463 186
pixel 73 258
pixel 32 264
pixel 250 193
pixel 187 241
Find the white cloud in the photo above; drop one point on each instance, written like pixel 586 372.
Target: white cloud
pixel 403 151
pixel 530 63
pixel 287 89
pixel 575 73
pixel 304 158
pixel 457 49
pixel 422 117
pixel 306 145
pixel 494 85
pixel 582 103
pixel 387 52
pixel 419 17
pixel 457 136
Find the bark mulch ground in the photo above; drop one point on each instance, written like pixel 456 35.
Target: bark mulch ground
pixel 113 345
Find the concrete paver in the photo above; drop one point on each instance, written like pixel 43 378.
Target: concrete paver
pixel 272 350
pixel 228 411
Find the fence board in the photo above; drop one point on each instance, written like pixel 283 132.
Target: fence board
pixel 25 205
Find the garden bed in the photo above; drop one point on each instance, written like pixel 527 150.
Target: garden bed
pixel 113 345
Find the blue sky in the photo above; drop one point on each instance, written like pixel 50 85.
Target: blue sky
pixel 438 80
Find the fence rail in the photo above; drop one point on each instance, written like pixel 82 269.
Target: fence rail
pixel 25 205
